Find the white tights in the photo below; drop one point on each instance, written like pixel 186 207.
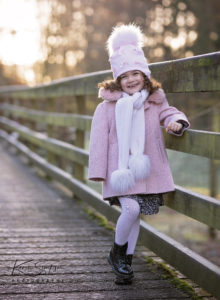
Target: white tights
pixel 128 224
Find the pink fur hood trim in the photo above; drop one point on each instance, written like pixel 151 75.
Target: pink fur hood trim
pixel 157 97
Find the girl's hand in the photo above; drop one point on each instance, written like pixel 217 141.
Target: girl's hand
pixel 174 126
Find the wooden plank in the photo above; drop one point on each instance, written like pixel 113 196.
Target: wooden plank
pixel 194 74
pixel 79 141
pixel 77 266
pixel 50 104
pixel 197 142
pixel 71 278
pixel 156 289
pixel 61 148
pixel 100 295
pixel 214 166
pixel 197 268
pixel 82 122
pixel 79 85
pixel 197 206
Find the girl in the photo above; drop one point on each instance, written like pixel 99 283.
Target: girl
pixel 127 150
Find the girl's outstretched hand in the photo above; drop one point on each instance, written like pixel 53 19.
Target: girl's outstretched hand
pixel 174 126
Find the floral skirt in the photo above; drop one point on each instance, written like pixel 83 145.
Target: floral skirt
pixel 149 203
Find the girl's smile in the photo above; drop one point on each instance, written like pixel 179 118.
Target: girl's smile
pixel 132 82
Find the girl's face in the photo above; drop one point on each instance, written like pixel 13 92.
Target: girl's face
pixel 132 82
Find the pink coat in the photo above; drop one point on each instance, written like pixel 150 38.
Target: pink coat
pixel 103 158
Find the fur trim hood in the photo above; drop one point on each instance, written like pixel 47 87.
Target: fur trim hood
pixel 157 97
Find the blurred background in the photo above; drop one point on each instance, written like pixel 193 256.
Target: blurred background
pixel 44 40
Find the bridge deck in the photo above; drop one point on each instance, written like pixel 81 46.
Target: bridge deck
pixel 50 249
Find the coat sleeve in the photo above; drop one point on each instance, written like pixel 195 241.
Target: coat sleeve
pixel 98 152
pixel 171 114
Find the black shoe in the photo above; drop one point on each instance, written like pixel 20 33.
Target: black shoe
pixel 120 280
pixel 129 258
pixel 118 260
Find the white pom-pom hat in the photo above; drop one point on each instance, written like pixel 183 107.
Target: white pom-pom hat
pixel 125 50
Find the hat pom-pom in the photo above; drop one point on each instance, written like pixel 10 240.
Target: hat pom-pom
pixel 124 35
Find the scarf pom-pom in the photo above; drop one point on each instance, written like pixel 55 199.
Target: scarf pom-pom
pixel 140 166
pixel 122 180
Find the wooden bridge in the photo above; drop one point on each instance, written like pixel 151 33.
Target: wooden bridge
pixel 50 249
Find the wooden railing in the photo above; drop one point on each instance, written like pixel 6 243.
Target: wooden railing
pixel 38 113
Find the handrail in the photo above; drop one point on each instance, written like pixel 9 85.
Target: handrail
pixel 61 148
pixel 202 208
pixel 180 75
pixel 82 122
pixel 197 142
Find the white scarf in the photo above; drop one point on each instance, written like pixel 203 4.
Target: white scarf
pixel 133 165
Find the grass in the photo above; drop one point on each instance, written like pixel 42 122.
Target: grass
pixel 172 277
pixel 102 221
pixel 191 170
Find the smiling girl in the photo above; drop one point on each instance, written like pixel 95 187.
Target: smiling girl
pixel 127 151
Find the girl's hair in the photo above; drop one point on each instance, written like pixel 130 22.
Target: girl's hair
pixel 115 84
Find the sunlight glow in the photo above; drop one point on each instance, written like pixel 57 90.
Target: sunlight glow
pixel 19 32
pixel 178 42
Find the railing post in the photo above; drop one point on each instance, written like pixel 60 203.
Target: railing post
pixel 1 102
pixel 214 164
pixel 22 103
pixel 50 103
pixel 78 171
pixel 32 104
pixel 9 114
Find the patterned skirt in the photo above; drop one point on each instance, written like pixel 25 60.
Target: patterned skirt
pixel 149 203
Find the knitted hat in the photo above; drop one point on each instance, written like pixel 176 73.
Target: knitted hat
pixel 125 50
